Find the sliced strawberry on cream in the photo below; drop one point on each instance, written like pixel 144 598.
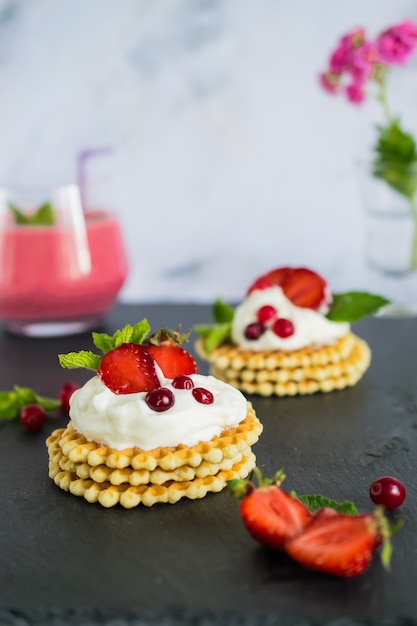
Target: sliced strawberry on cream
pixel 303 287
pixel 129 369
pixel 173 360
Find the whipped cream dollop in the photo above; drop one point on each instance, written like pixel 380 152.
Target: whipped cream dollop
pixel 311 328
pixel 125 420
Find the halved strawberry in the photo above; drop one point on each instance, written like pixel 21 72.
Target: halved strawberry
pixel 173 360
pixel 271 515
pixel 340 545
pixel 129 369
pixel 302 286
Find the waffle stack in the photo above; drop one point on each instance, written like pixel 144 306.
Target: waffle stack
pixel 133 476
pixel 305 371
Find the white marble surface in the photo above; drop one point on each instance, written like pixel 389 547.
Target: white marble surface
pixel 228 159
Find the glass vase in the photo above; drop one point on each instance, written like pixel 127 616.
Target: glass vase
pixel 390 224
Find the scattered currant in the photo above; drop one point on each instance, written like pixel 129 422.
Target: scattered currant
pixel 204 396
pixel 388 492
pixel 266 313
pixel 254 331
pixel 160 399
pixel 283 327
pixel 182 382
pixel 65 393
pixel 32 416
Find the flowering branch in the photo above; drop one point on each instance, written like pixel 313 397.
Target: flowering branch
pixel 357 62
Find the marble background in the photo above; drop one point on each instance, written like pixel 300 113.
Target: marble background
pixel 227 159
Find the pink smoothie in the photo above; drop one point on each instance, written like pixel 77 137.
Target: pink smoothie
pixel 42 278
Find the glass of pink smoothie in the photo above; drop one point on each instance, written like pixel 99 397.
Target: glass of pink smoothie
pixel 61 268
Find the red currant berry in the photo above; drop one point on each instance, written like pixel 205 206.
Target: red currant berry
pixel 266 313
pixel 65 393
pixel 33 417
pixel 283 328
pixel 387 491
pixel 254 331
pixel 160 399
pixel 204 396
pixel 182 382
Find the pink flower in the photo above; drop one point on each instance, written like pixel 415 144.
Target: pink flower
pixel 340 58
pixel 355 92
pixel 329 82
pixel 363 60
pixel 396 44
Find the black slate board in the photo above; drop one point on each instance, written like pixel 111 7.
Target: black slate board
pixel 64 561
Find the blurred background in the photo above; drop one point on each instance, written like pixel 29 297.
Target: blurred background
pixel 203 124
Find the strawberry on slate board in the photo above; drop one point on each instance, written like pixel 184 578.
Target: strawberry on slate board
pixel 341 545
pixel 270 514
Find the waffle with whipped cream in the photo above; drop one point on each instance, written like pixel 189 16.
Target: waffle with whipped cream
pixel 133 476
pixel 289 336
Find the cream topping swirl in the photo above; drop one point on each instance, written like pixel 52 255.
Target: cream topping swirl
pixel 125 420
pixel 311 328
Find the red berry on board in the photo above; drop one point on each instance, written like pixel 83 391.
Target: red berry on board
pixel 33 416
pixel 160 399
pixel 266 313
pixel 388 492
pixel 65 393
pixel 173 360
pixel 128 369
pixel 271 515
pixel 254 331
pixel 283 328
pixel 302 286
pixel 182 382
pixel 204 396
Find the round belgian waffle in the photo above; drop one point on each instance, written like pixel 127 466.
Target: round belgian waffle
pixel 281 373
pixel 132 476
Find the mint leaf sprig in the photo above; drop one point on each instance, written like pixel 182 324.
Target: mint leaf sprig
pixel 105 343
pixel 12 402
pixel 219 332
pixel 43 216
pixel 316 501
pixel 353 306
pixel 139 333
pixel 350 307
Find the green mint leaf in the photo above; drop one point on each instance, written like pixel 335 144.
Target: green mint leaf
pixel 83 358
pixel 128 334
pixel 103 342
pixel 219 334
pixel 18 215
pixel 395 159
pixel 354 305
pixel 43 216
pixel 203 329
pixel 222 312
pixel 317 501
pixel 25 396
pixel 8 406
